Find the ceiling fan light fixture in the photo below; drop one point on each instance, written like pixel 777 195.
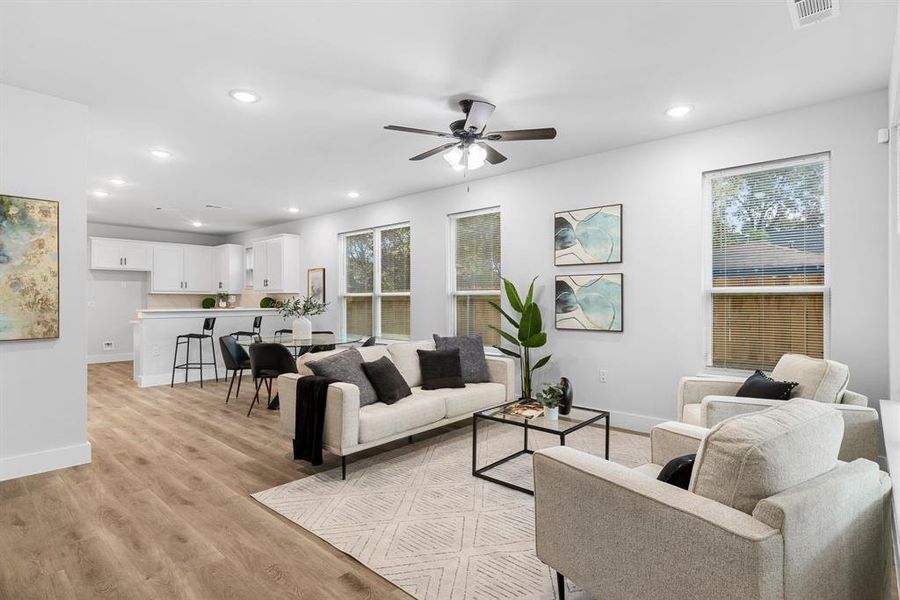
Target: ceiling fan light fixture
pixel 476 156
pixel 454 157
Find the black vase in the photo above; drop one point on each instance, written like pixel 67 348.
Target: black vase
pixel 565 403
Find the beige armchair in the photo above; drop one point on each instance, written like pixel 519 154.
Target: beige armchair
pixel 815 533
pixel 706 401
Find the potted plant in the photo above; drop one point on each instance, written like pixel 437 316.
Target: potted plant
pixel 222 299
pixel 550 398
pixel 529 333
pixel 300 309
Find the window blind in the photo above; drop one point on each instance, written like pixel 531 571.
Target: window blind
pixel 477 268
pixel 768 267
pixel 395 277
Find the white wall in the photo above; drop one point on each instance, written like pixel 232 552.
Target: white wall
pixel 43 384
pixel 114 296
pixel 659 184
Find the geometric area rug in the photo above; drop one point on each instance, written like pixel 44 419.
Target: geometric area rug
pixel 417 517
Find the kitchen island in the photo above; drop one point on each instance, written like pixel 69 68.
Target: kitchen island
pixel 156 329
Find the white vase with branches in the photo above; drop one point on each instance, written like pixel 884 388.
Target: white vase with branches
pixel 301 309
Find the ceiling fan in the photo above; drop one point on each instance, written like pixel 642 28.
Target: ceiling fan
pixel 469 148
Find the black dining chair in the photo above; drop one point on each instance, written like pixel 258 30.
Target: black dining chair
pixel 323 347
pixel 369 342
pixel 209 324
pixel 267 362
pixel 236 360
pixel 254 334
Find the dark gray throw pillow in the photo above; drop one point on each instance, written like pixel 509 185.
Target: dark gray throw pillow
pixel 760 385
pixel 386 379
pixel 678 471
pixel 346 367
pixel 471 356
pixel 440 369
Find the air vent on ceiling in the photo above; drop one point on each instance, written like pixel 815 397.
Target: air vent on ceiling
pixel 214 206
pixel 809 12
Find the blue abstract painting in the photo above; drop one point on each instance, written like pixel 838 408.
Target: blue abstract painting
pixel 589 302
pixel 588 236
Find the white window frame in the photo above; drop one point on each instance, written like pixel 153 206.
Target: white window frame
pixel 452 292
pixel 709 292
pixel 376 293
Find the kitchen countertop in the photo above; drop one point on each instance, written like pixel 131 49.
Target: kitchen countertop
pixel 151 313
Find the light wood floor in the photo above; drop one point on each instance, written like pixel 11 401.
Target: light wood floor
pixel 164 511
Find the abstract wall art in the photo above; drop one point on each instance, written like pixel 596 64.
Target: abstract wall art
pixel 588 236
pixel 29 268
pixel 589 302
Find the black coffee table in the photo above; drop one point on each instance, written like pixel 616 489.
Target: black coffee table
pixel 577 418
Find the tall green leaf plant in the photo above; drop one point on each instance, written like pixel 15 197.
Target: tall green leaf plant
pixel 528 332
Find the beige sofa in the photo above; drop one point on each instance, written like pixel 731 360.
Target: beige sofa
pixel 350 428
pixel 706 401
pixel 783 526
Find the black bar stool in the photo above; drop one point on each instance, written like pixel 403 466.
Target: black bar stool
pixel 254 334
pixel 236 360
pixel 185 338
pixel 267 362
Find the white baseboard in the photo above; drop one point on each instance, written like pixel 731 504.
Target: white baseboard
pixel 108 358
pixel 209 374
pixel 13 467
pixel 633 422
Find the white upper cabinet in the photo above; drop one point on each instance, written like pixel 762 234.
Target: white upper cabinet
pixel 199 275
pixel 229 269
pixel 183 268
pixel 168 269
pixel 120 255
pixel 276 265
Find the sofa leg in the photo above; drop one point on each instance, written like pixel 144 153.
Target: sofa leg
pixel 561 585
pixel 343 468
pixel 410 439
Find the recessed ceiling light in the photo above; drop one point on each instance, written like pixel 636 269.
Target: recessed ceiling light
pixel 197 224
pixel 160 153
pixel 679 111
pixel 117 181
pixel 353 194
pixel 100 193
pixel 294 209
pixel 245 96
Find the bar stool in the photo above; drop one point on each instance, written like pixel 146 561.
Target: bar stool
pixel 185 338
pixel 254 334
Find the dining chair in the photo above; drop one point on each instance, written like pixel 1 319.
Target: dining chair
pixel 267 362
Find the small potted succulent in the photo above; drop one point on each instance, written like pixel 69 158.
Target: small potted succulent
pixel 222 299
pixel 549 398
pixel 301 309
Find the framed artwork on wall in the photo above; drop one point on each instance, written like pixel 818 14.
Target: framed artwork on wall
pixel 588 236
pixel 315 283
pixel 29 269
pixel 590 302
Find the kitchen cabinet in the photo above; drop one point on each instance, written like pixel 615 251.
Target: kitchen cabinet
pixel 120 255
pixel 182 268
pixel 229 269
pixel 276 265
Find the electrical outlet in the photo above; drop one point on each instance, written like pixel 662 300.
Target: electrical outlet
pixel 155 350
pixel 602 375
pixel 92 304
pixel 108 346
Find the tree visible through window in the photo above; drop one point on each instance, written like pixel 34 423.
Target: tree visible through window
pixel 768 270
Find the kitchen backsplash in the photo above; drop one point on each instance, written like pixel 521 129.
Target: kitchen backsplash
pixel 249 299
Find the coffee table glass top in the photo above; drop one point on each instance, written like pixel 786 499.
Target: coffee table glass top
pixel 317 339
pixel 577 418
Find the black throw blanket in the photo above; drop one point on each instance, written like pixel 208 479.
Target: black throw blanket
pixel 309 420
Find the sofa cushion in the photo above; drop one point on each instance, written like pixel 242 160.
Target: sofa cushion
pixel 346 366
pixel 407 360
pixel 304 359
pixel 471 356
pixel 473 397
pixel 440 369
pixel 817 379
pixel 753 456
pixel 691 415
pixel 379 420
pixel 386 379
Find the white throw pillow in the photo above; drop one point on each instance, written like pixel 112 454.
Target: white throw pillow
pixel 753 456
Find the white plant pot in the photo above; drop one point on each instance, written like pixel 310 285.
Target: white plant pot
pixel 551 414
pixel 302 327
pixel 223 304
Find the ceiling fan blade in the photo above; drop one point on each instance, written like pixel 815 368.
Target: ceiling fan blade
pixel 516 135
pixel 493 156
pixel 433 151
pixel 414 130
pixel 478 115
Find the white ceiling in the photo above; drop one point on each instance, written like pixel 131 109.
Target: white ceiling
pixel 156 74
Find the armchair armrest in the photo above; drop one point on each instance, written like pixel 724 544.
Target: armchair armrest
pixel 503 370
pixel 673 439
pixel 341 412
pixel 718 408
pixel 658 541
pixel 692 390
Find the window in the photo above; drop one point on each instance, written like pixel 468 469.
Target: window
pixel 768 273
pixel 375 293
pixel 475 276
